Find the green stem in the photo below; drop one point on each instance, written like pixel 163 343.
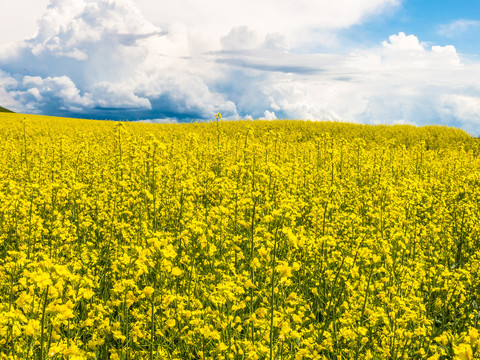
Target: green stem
pixel 272 285
pixel 43 323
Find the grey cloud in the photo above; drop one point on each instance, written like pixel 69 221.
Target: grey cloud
pixel 131 39
pixel 293 69
pixel 268 60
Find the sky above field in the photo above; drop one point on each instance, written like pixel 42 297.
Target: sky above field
pixel 366 61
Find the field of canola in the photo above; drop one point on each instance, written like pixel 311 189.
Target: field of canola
pixel 237 240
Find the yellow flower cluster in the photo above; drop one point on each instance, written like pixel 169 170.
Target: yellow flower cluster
pixel 237 240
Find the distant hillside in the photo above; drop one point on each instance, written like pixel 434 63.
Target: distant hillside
pixel 2 109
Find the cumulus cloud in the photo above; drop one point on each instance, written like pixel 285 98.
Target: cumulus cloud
pixel 294 19
pixel 268 115
pixel 100 56
pixel 103 59
pixel 240 38
pixel 402 42
pixel 7 84
pixel 58 91
pixel 401 81
pixel 464 109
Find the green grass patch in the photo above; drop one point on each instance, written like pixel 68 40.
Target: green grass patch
pixel 2 109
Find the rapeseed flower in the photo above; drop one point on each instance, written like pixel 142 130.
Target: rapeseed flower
pixel 299 240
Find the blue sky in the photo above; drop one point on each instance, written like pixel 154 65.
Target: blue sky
pixel 428 21
pixel 364 61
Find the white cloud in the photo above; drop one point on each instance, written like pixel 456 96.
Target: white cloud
pixel 268 115
pixel 240 38
pixel 402 42
pixel 465 108
pixel 110 95
pixel 212 19
pixel 403 81
pixel 58 91
pixel 18 19
pixel 8 84
pixel 101 58
pixel 160 121
pixel 457 27
pixel 98 55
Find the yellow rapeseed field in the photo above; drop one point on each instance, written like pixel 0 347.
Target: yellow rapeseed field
pixel 237 240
